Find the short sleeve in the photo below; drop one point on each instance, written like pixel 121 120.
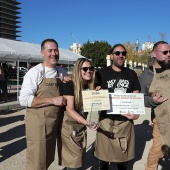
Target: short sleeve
pixel 68 88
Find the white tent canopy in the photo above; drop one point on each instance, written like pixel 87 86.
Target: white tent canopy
pixel 11 50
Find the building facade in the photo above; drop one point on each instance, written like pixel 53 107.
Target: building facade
pixel 75 48
pixel 9 19
pixel 147 45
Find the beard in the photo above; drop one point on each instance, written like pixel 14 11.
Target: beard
pixel 117 64
pixel 164 64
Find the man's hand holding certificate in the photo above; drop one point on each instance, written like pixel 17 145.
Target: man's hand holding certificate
pixel 124 103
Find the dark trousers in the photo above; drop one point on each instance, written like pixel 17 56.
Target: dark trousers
pixel 105 165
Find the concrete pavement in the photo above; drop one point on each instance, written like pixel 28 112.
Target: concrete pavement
pixel 13 144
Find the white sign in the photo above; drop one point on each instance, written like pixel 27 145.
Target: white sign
pixel 123 103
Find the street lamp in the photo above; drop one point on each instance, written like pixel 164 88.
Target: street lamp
pixel 77 44
pixel 137 44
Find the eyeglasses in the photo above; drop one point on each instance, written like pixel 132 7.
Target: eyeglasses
pixel 87 68
pixel 164 52
pixel 119 52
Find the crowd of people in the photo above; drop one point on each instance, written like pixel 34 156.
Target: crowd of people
pixel 54 109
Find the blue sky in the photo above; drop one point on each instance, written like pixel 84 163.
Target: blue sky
pixel 114 21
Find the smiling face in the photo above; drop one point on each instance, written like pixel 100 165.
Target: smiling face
pixel 86 71
pixel 118 57
pixel 50 54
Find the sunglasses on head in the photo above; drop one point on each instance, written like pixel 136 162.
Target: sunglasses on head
pixel 164 52
pixel 119 52
pixel 87 68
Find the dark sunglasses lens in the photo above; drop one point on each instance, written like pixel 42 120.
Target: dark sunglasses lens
pixel 91 68
pixel 124 53
pixel 85 69
pixel 165 52
pixel 117 53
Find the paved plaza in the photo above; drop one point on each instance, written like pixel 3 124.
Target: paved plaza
pixel 13 143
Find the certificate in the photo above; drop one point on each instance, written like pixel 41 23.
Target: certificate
pixel 95 100
pixel 122 103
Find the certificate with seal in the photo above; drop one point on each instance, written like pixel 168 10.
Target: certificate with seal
pixel 122 103
pixel 95 100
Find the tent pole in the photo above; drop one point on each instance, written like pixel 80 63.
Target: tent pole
pixel 18 78
pixel 68 66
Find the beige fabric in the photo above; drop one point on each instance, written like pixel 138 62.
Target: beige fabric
pixel 115 141
pixel 73 147
pixel 161 85
pixel 155 152
pixel 41 128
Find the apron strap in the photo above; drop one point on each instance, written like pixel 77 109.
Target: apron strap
pixel 154 70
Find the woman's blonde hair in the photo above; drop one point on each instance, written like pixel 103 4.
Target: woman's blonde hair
pixel 78 81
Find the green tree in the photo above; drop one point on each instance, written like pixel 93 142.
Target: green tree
pixel 96 51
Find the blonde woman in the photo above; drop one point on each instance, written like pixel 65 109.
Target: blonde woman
pixel 73 132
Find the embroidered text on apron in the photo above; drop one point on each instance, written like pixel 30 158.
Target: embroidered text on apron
pixel 41 127
pixel 161 85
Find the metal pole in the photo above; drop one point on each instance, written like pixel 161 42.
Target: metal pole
pixel 136 56
pixel 137 48
pixel 18 78
pixel 77 43
pixel 68 66
pixel 74 37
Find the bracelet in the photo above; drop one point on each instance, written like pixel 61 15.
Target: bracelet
pixel 78 120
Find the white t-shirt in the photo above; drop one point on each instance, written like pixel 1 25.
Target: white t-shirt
pixel 32 79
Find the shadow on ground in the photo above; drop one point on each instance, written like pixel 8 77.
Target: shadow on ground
pixel 14 137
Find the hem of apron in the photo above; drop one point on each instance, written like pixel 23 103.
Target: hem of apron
pixel 115 160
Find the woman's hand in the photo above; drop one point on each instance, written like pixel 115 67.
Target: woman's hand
pixel 92 125
pixel 98 88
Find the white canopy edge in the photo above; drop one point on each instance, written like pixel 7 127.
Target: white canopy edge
pixel 11 50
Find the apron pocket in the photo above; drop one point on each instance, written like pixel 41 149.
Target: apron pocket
pixel 122 142
pixel 78 139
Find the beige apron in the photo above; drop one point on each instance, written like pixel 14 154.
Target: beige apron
pixel 115 141
pixel 161 85
pixel 72 143
pixel 41 127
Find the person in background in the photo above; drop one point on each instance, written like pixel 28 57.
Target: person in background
pixel 6 76
pixel 41 94
pixel 73 132
pixel 115 137
pixel 151 81
pixel 3 93
pixel 29 67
